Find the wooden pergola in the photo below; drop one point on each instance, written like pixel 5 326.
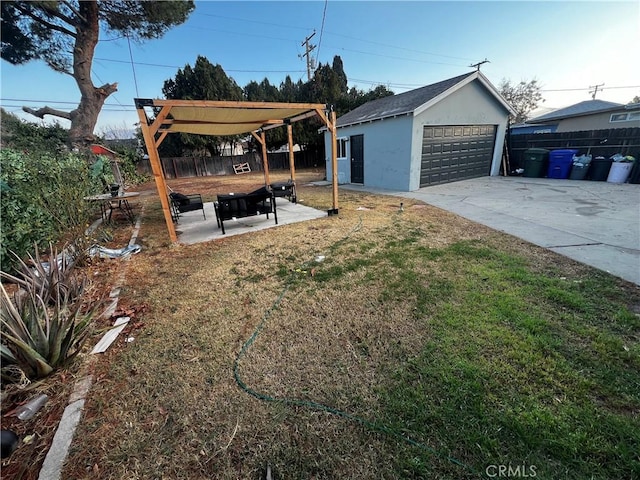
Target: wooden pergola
pixel 158 118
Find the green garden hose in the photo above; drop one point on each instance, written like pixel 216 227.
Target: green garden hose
pixel 319 406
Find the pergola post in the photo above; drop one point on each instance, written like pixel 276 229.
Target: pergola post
pixel 262 140
pixel 334 162
pixel 156 167
pixel 265 158
pixel 292 162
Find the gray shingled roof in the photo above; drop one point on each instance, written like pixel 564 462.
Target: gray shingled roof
pixel 400 104
pixel 583 108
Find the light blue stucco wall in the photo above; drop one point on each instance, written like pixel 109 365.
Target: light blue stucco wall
pixel 387 153
pixel 393 147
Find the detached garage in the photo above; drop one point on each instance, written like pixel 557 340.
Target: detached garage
pixel 451 130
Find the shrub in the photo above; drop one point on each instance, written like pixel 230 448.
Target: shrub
pixel 42 200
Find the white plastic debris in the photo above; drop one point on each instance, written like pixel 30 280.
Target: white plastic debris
pixel 103 252
pixel 109 337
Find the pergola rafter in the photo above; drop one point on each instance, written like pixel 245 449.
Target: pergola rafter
pixel 207 117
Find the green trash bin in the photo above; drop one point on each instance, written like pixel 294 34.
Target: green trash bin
pixel 535 162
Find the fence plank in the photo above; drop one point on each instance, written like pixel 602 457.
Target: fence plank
pixel 606 143
pixel 181 167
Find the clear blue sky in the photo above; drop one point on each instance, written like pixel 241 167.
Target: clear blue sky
pixel 567 46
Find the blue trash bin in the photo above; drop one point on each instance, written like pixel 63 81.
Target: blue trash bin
pixel 560 163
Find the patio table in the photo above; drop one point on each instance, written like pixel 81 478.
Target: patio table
pixel 108 204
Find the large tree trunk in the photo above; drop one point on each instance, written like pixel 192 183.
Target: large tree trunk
pixel 85 117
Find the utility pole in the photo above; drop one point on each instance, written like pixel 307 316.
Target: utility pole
pixel 595 90
pixel 477 65
pixel 308 49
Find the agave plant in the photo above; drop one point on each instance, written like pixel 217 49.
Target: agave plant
pixel 48 279
pixel 37 337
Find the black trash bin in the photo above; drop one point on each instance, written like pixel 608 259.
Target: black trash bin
pixel 599 169
pixel 535 162
pixel 579 171
pixel 634 176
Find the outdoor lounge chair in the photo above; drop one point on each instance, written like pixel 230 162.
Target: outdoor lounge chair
pixel 241 205
pixel 285 189
pixel 181 203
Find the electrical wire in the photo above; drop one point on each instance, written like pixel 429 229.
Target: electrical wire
pixel 324 15
pixel 133 68
pixel 315 405
pixel 252 21
pixel 395 57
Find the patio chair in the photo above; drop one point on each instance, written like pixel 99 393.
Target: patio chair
pixel 285 189
pixel 181 203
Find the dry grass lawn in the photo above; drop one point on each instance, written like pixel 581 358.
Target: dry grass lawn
pixel 422 346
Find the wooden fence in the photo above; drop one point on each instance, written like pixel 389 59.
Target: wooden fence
pixel 606 143
pixel 183 167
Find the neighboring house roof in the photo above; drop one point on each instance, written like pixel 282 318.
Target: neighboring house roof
pixel 524 128
pixel 587 107
pixel 102 150
pixel 415 101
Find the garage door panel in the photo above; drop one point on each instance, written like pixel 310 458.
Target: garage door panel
pixel 451 153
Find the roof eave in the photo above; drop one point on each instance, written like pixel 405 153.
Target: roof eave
pixel 476 75
pixel 375 119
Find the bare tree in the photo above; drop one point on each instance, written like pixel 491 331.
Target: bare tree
pixel 524 97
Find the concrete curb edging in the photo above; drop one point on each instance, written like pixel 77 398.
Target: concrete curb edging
pixel 53 462
pixel 58 451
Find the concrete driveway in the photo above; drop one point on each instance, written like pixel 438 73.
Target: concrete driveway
pixel 596 223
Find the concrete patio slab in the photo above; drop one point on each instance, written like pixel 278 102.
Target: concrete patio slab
pixel 193 228
pixel 596 223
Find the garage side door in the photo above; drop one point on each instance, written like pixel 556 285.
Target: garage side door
pixel 451 153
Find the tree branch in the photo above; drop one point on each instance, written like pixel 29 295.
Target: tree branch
pixel 53 11
pixel 107 89
pixel 41 112
pixel 76 12
pixel 42 21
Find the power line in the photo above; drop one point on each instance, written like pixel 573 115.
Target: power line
pixel 107 109
pixel 587 88
pixel 391 84
pixel 324 14
pixel 372 42
pixel 399 48
pixel 159 65
pixel 352 79
pixel 61 102
pixel 231 32
pixel 93 72
pixel 133 68
pixel 252 21
pixel 396 58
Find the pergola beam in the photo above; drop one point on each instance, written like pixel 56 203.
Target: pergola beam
pixel 233 104
pixel 171 121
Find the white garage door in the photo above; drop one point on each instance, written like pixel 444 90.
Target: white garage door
pixel 456 152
